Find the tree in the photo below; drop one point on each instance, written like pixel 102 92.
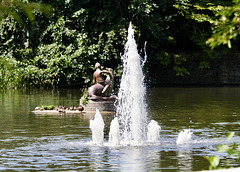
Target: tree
pixel 14 38
pixel 227 25
pixel 16 8
pixel 62 49
pixel 200 21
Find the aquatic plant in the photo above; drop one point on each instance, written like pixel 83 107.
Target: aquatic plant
pixel 47 107
pixel 233 151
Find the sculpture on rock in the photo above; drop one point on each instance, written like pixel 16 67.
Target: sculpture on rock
pixel 102 87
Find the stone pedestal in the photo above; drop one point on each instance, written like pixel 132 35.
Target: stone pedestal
pixel 100 104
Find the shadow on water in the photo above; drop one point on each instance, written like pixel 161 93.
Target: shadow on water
pixel 63 142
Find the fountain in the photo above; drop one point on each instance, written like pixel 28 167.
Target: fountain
pixel 97 127
pixel 130 125
pixel 184 136
pixel 131 107
pixel 153 131
pixel 114 135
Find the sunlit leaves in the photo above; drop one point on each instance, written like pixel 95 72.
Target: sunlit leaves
pixel 164 58
pixel 226 28
pixel 178 60
pixel 214 162
pixel 180 71
pixel 62 50
pixel 229 136
pixel 14 8
pixel 223 148
pixel 143 6
pixel 231 149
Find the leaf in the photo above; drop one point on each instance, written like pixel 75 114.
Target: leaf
pixel 214 161
pixel 204 64
pixel 222 148
pixel 180 71
pixel 229 136
pixel 229 44
pixel 232 152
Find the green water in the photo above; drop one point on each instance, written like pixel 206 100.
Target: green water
pixel 30 142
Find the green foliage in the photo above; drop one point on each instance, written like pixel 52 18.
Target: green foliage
pixel 226 27
pixel 181 71
pixel 164 58
pixel 65 55
pixel 178 60
pixel 214 162
pixel 222 16
pixel 10 36
pixel 15 9
pixel 47 107
pixel 84 98
pixel 60 50
pixel 10 74
pixel 201 18
pixel 204 64
pixel 233 151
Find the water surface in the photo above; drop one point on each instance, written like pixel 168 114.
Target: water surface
pixel 30 142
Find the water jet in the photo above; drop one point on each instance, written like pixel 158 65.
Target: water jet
pixel 129 127
pixel 184 136
pixel 97 127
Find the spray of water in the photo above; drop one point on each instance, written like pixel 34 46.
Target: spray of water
pixel 184 136
pixel 114 135
pixel 130 125
pixel 153 131
pixel 97 127
pixel 131 108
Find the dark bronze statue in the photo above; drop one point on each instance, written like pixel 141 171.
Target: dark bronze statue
pixel 102 86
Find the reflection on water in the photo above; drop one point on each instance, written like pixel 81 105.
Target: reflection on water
pixel 63 142
pixel 184 157
pixel 131 159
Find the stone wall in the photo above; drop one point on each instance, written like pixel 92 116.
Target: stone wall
pixel 224 70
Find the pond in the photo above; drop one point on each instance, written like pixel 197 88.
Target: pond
pixel 30 142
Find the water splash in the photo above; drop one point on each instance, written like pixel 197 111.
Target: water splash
pixel 184 136
pixel 153 133
pixel 131 108
pixel 97 127
pixel 130 125
pixel 114 135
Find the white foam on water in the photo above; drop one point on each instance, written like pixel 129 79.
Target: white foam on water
pixel 184 136
pixel 153 132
